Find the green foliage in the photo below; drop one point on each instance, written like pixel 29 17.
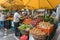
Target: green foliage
pixel 6 11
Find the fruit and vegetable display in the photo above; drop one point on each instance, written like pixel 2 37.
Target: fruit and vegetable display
pixel 25 27
pixel 48 18
pixel 37 31
pixel 35 22
pixel 46 27
pixel 39 27
pixel 10 18
pixel 38 34
pixel 27 21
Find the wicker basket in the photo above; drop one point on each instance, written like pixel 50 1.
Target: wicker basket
pixel 39 37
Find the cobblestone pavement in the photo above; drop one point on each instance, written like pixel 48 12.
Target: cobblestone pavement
pixel 10 35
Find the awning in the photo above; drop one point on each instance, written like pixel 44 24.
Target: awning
pixel 30 4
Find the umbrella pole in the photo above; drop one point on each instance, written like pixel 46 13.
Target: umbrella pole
pixel 32 13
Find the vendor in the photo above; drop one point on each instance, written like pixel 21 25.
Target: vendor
pixel 2 17
pixel 17 17
pixel 2 20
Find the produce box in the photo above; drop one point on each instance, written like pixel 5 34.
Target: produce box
pixel 46 27
pixel 48 31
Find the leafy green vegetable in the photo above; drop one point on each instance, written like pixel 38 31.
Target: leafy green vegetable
pixel 24 26
pixel 48 19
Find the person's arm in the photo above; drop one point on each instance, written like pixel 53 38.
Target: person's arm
pixel 19 16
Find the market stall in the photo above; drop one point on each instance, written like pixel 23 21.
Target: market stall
pixel 37 18
pixel 42 25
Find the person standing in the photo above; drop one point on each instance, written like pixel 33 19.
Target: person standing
pixel 16 20
pixel 2 18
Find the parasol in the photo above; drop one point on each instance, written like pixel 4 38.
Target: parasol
pixel 54 3
pixel 41 4
pixel 37 4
